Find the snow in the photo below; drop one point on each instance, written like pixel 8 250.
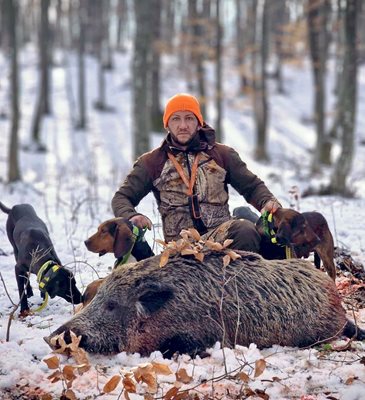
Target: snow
pixel 71 186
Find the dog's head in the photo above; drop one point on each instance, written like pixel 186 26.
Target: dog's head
pixel 64 285
pixel 293 229
pixel 113 236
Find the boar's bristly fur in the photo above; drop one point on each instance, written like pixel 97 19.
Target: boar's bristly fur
pixel 187 306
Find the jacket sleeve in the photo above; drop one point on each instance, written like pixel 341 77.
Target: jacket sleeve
pixel 135 187
pixel 252 188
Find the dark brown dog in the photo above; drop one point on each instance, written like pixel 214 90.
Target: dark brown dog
pixel 116 236
pixel 28 234
pixel 305 233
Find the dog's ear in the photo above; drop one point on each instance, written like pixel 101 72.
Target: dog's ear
pixel 123 239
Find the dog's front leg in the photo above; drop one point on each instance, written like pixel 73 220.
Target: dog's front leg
pixel 22 280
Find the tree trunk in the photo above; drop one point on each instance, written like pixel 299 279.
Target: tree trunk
pixel 156 112
pixel 259 68
pixel 141 86
pixel 42 106
pixel 81 124
pixel 168 24
pixel 14 170
pixel 241 41
pixel 318 42
pixel 343 165
pixel 280 17
pixel 122 10
pixel 218 75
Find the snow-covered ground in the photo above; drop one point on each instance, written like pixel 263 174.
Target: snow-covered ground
pixel 71 187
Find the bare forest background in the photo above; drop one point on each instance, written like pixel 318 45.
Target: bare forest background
pixel 253 38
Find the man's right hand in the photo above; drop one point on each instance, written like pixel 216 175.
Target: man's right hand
pixel 141 221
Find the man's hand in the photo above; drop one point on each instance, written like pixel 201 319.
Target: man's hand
pixel 141 221
pixel 271 206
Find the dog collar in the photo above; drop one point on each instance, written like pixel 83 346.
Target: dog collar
pixel 46 273
pixel 138 236
pixel 269 231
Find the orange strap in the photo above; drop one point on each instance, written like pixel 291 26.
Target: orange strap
pixel 194 170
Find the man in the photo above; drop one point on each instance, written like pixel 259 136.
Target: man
pixel 189 175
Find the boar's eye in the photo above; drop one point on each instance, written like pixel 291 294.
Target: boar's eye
pixel 111 305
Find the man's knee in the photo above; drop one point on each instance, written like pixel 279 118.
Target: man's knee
pixel 244 236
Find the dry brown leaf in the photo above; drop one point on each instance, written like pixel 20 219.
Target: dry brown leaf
pixel 52 362
pixel 244 377
pixel 233 254
pixel 227 243
pixel 82 360
pixel 55 377
pixel 171 393
pixel 260 366
pixel 59 341
pixel 213 245
pixel 161 242
pixel 69 394
pixel 126 395
pixel 164 258
pixel 350 380
pixel 151 381
pixel 199 257
pixel 187 252
pixel 75 341
pixel 184 234
pixel 68 372
pixel 46 396
pixel 112 384
pixel 148 396
pixel 182 376
pixel 226 260
pixel 194 234
pixel 129 385
pixel 161 369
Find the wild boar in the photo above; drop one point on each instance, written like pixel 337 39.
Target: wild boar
pixel 189 305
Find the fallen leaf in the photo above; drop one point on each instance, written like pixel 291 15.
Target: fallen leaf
pixel 233 254
pixel 68 372
pixel 260 366
pixel 164 258
pixel 161 242
pixel 199 256
pixel 112 384
pixel 69 394
pixel 350 380
pixel 52 362
pixel 161 369
pixel 213 245
pixel 128 384
pixel 55 377
pixel 171 393
pixel 182 376
pixel 226 260
pixel 186 252
pixel 227 242
pixel 194 234
pixel 244 377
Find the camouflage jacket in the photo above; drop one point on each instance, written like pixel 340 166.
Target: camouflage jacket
pixel 219 166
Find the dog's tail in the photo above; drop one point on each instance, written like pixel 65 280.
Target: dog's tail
pixel 4 208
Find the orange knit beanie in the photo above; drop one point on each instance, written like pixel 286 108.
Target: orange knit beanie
pixel 182 102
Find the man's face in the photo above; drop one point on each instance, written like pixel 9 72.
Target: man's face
pixel 183 126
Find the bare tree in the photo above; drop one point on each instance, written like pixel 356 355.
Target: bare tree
pixel 11 11
pixel 318 13
pixel 42 106
pixel 81 124
pixel 259 61
pixel 156 112
pixel 218 73
pixel 343 165
pixel 141 67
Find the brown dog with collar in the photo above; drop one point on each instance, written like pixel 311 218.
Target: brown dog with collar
pixel 116 236
pixel 304 233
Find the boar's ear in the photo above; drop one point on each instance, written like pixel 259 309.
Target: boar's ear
pixel 153 296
